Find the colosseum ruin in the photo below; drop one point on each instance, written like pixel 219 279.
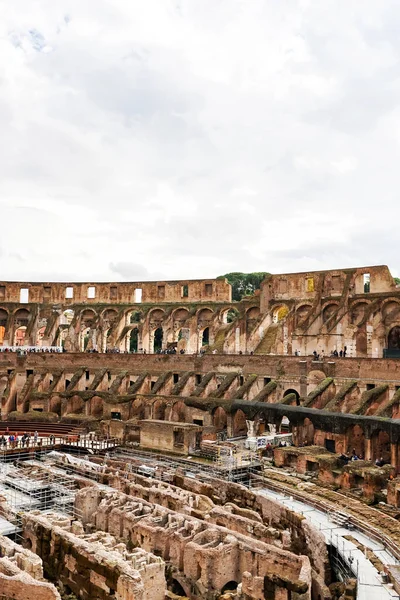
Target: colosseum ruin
pixel 161 441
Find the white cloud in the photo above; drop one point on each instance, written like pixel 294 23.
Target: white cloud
pixel 177 138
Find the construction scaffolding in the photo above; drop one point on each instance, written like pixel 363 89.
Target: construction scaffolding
pixel 33 487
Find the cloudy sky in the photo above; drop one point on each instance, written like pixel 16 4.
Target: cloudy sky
pixel 151 139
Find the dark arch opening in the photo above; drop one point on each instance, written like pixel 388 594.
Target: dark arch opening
pixel 295 392
pixel 176 588
pixel 229 587
pixel 394 338
pixel 206 337
pixel 133 340
pixel 158 339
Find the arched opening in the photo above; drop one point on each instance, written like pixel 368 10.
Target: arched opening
pixel 239 423
pixel 67 317
pixel 158 340
pixel 295 392
pixel 85 337
pixel 159 409
pixel 380 446
pixel 231 586
pixel 356 441
pixel 219 419
pixel 230 315
pixel 176 588
pixel 3 324
pixel 178 413
pixel 134 340
pixel 96 407
pixel 55 405
pixel 75 405
pixel 205 338
pixel 137 410
pixel 183 339
pixel 135 317
pixel 279 313
pixel 308 432
pixel 204 317
pixel 394 338
pixel 253 313
pixel 180 317
pixel 19 337
pixel 391 311
pixel 22 317
pixel 285 426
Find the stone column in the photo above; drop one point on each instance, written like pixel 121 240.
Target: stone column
pixel 368 449
pixel 394 456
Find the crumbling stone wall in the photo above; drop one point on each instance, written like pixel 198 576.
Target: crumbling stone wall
pixel 93 565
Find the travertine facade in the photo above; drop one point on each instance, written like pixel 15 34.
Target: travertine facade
pixel 357 309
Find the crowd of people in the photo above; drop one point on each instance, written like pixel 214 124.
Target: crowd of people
pixel 13 440
pixel 22 350
pixel 321 356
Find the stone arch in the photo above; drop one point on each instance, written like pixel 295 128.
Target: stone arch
pixel 279 313
pixel 180 316
pixel 219 418
pixel 285 425
pixel 159 409
pixel 3 323
pixel 109 317
pixel 55 405
pixel 390 311
pixel 178 412
pixel 308 432
pixel 394 338
pixel 231 586
pixel 316 376
pixel 156 317
pixel 20 336
pixel 21 317
pixel 75 405
pixel 380 446
pixel 96 407
pixel 137 410
pixel 357 313
pixel 239 423
pixel 88 318
pixel 134 316
pixel 302 313
pixel 67 317
pixel 328 311
pixel 292 391
pixel 229 314
pixel 205 317
pixel 252 313
pixel 355 440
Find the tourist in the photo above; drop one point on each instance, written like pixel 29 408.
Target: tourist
pixel 35 437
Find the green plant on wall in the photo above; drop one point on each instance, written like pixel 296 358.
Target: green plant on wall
pixel 244 284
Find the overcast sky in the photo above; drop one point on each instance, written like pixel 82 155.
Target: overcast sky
pixel 152 139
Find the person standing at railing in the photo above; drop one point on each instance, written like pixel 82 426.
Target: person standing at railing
pixel 35 437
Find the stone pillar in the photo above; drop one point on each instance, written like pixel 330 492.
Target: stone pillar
pixel 229 425
pixel 368 449
pixel 394 456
